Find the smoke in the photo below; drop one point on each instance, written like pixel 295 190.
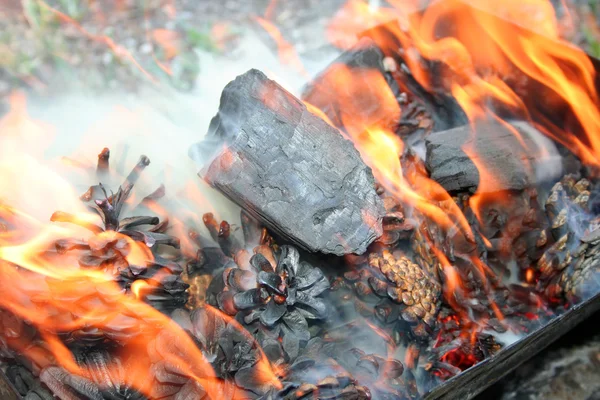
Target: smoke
pixel 157 122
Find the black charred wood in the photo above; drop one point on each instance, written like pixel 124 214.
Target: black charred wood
pixel 368 108
pixel 496 148
pixel 290 169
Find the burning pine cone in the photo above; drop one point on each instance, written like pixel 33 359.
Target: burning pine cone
pixel 228 252
pixel 272 292
pixel 401 289
pixel 277 297
pixel 316 374
pixel 570 264
pixel 108 248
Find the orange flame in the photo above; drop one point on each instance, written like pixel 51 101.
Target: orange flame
pixel 454 32
pixel 287 52
pixel 63 301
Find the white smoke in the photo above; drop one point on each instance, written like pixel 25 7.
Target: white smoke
pixel 157 122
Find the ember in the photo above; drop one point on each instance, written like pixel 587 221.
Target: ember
pixel 422 210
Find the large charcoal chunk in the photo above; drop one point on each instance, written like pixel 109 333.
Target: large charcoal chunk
pixel 290 169
pixel 517 156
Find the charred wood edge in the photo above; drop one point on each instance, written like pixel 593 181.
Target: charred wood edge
pixel 446 111
pixel 479 377
pixel 7 390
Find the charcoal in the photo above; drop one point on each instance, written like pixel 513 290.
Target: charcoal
pixel 365 61
pixel 290 169
pixel 26 384
pixel 497 149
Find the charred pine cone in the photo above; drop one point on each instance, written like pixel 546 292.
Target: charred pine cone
pixel 108 248
pixel 231 351
pixel 108 378
pixel 341 387
pixel 27 384
pixel 221 251
pixel 271 292
pixel 385 378
pixel 277 295
pixel 316 374
pixel 399 290
pixel 110 208
pixel 395 225
pixel 571 264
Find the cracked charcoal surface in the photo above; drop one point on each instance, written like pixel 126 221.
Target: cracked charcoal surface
pixel 496 147
pixel 290 169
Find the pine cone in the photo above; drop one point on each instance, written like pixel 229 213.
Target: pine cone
pixel 210 258
pixel 277 299
pixel 579 277
pixel 395 225
pixel 570 264
pixel 385 378
pixel 232 352
pixel 399 290
pixel 272 292
pixel 108 248
pixel 316 374
pixel 109 209
pixel 340 387
pixel 108 379
pixel 27 384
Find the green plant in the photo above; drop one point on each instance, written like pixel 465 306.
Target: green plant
pixel 593 43
pixel 38 14
pixel 200 39
pixel 73 8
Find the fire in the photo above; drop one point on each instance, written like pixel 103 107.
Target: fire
pixel 287 52
pixel 45 287
pixel 453 33
pixel 356 16
pixel 456 47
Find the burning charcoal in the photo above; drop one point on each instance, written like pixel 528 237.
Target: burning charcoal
pixel 326 203
pixel 363 103
pixel 495 147
pixel 463 354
